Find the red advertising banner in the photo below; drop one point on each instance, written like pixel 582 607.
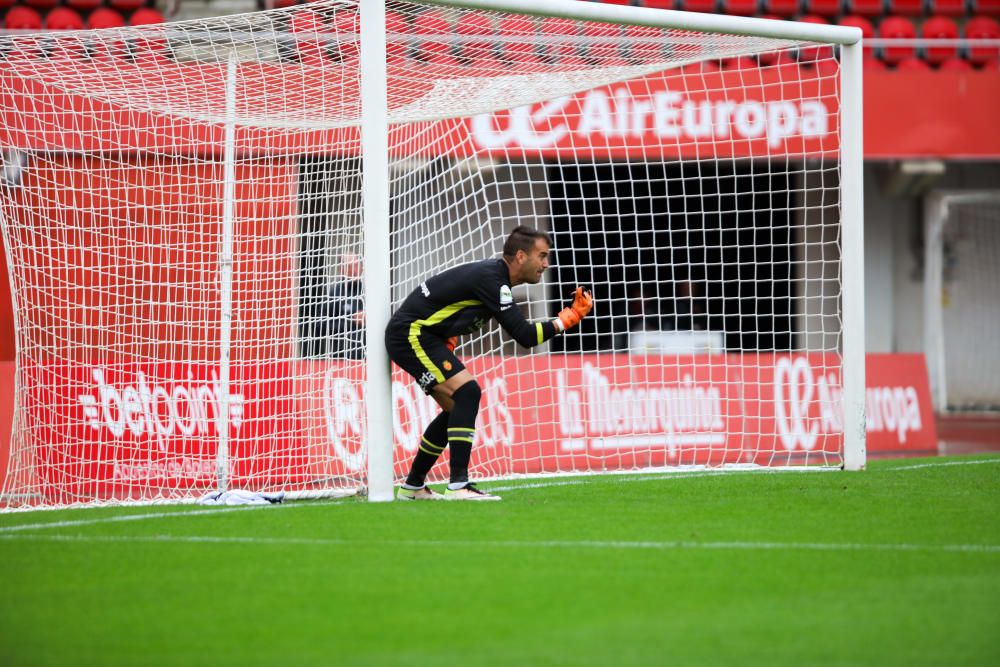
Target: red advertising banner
pixel 137 432
pixel 758 112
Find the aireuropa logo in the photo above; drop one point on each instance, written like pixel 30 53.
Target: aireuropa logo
pixel 808 404
pixel 159 409
pixel 666 114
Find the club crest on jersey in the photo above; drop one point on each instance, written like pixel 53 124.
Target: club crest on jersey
pixel 506 297
pixel 446 365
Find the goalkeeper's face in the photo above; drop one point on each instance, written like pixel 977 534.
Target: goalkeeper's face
pixel 535 262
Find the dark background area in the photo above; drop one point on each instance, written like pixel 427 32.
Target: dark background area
pixel 703 245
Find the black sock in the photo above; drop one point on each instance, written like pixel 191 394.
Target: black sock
pixel 431 445
pixel 462 428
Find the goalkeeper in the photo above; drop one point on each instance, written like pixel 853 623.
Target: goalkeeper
pixel 422 335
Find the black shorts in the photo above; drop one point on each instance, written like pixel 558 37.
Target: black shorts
pixel 424 356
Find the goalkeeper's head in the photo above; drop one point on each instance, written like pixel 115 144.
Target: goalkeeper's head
pixel 526 252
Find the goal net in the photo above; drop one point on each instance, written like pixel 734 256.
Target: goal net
pixel 961 301
pixel 184 228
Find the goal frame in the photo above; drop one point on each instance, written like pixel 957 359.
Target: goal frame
pixel 375 196
pixel 936 209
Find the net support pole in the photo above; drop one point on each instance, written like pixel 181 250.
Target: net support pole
pixel 853 257
pixel 226 275
pixel 377 269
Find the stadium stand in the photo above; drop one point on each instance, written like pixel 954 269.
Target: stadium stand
pixel 871 8
pixel 826 8
pixel 944 28
pixel 740 7
pixel 63 18
pixel 911 8
pixel 982 27
pixel 946 7
pixel 22 18
pixel 897 27
pixel 102 17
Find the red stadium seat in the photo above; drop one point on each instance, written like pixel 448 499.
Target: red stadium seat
pixel 4 4
pixel 310 46
pixel 813 53
pixel 347 27
pixel 704 6
pixel 431 28
pixel 126 6
pixel 102 17
pixel 955 65
pixel 740 7
pixel 897 27
pixel 84 5
pixel 906 7
pixel 146 16
pixel 515 27
pixel 618 2
pixel 475 31
pixel 912 64
pixel 742 63
pixel 873 63
pixel 22 18
pixel 62 18
pixel 982 27
pixel 41 4
pixel 986 7
pixel 281 4
pixel 866 7
pixel 654 4
pixel 867 29
pixel 644 43
pixel 562 34
pixel 396 30
pixel 782 8
pixel 826 8
pixel 947 7
pixel 939 27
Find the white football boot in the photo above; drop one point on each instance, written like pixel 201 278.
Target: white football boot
pixel 468 492
pixel 425 493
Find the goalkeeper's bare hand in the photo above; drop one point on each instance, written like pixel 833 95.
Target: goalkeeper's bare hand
pixel 571 315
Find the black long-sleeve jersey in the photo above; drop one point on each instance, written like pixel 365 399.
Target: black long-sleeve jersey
pixel 461 300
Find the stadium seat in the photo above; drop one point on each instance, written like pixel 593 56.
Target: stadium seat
pixel 146 16
pixel 126 6
pixel 742 63
pixel 740 7
pixel 518 27
pixel 813 53
pixel 955 65
pixel 310 47
pixel 654 4
pixel 396 34
pixel 644 43
pixel 897 27
pixel 84 5
pixel 474 31
pixel 22 18
pixel 867 29
pixel 906 7
pixel 947 7
pixel 618 2
pixel 704 6
pixel 102 17
pixel 827 8
pixel 4 4
pixel 346 25
pixel 939 27
pixel 986 7
pixel 912 64
pixel 866 7
pixel 782 8
pixel 41 4
pixel 982 27
pixel 430 28
pixel 63 18
pixel 561 32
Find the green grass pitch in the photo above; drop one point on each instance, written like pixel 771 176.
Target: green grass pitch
pixel 897 565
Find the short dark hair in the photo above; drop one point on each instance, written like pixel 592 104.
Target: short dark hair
pixel 523 238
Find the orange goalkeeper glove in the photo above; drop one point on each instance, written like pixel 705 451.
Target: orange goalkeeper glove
pixel 571 316
pixel 451 343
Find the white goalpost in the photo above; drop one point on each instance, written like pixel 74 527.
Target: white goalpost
pixel 208 224
pixel 961 249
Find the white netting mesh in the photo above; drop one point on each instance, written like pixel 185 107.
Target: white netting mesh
pixel 690 179
pixel 970 303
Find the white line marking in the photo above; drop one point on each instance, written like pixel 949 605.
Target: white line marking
pixel 667 545
pixel 564 481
